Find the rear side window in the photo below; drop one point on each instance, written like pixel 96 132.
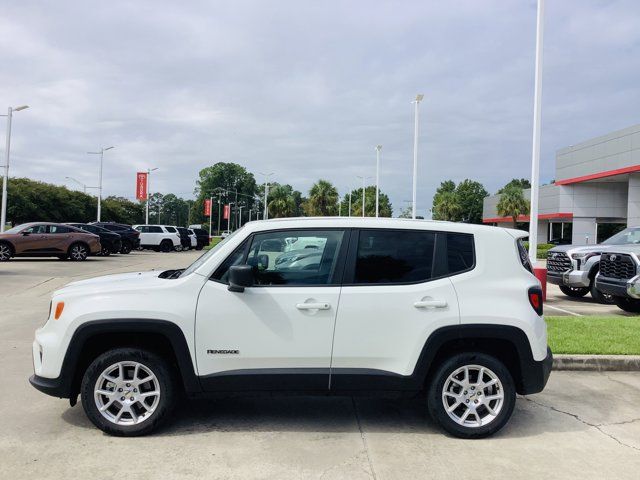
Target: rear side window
pixel 460 252
pixel 391 256
pixel 59 229
pixel 524 255
pixel 170 229
pixel 155 229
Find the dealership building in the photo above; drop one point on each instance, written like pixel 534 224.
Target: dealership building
pixel 597 183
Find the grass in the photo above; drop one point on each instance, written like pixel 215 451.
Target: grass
pixel 213 243
pixel 594 335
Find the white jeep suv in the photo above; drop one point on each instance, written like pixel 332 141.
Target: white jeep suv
pixel 161 238
pixel 374 306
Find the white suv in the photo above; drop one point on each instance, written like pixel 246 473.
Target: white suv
pixel 161 238
pixel 375 305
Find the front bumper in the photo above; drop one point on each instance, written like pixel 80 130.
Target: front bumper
pixel 51 386
pixel 619 288
pixel 570 278
pixel 535 375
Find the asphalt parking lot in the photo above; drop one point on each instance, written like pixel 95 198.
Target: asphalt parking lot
pixel 584 425
pixel 558 304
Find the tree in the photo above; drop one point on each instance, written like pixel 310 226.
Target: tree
pixel 448 207
pixel 517 182
pixel 512 203
pixel 385 207
pixel 281 202
pixel 470 195
pixel 323 200
pixel 406 213
pixel 222 179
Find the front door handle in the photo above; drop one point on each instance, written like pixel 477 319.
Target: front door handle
pixel 313 306
pixel 430 303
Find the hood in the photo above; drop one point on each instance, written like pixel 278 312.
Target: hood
pixel 581 248
pixel 121 281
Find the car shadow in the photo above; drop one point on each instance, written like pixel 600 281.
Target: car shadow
pixel 324 414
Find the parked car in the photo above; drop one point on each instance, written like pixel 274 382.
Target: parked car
pixel 44 239
pixel 451 309
pixel 619 277
pixel 193 238
pixel 185 240
pixel 225 233
pixel 574 267
pixel 203 238
pixel 161 238
pixel 129 236
pixel 111 242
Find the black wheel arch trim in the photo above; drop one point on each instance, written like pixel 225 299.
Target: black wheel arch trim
pixel 64 385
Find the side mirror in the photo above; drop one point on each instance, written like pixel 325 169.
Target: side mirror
pixel 240 277
pixel 25 234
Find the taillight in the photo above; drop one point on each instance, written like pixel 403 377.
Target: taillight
pixel 535 299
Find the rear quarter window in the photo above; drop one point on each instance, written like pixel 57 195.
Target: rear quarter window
pixel 460 252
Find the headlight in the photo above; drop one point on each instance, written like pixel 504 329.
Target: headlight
pixel 584 256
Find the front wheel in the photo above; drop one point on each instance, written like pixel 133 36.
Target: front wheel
pixel 472 395
pixel 575 292
pixel 630 305
pixel 125 249
pixel 128 392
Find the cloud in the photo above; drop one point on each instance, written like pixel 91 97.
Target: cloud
pixel 307 89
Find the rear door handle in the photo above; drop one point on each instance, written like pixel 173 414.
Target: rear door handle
pixel 430 304
pixel 313 306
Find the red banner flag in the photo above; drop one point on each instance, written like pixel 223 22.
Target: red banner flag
pixel 141 185
pixel 227 211
pixel 207 207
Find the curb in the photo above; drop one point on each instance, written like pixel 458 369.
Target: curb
pixel 597 363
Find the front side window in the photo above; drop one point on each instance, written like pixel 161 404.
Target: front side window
pixel 154 229
pixel 393 256
pixel 36 229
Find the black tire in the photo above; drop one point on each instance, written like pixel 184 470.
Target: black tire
pixel 105 252
pixel 125 249
pixel 78 252
pixel 166 246
pixel 574 292
pixel 436 403
pixel 630 305
pixel 164 374
pixel 6 251
pixel 199 247
pixel 600 297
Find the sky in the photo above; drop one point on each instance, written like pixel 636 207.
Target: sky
pixel 308 89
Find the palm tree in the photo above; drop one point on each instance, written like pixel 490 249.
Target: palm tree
pixel 447 207
pixel 323 199
pixel 512 203
pixel 281 202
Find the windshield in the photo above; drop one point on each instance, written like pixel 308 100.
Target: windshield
pixel 16 229
pixel 625 237
pixel 203 258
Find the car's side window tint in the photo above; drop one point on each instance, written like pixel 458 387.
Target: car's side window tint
pixel 58 229
pixel 222 272
pixel 153 229
pixel 394 256
pixel 301 257
pixel 460 252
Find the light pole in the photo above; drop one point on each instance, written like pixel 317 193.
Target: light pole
pixel 101 153
pixel 266 193
pixel 535 154
pixel 349 203
pixel 363 180
pixel 5 178
pixel 417 101
pixel 84 187
pixel 240 207
pixel 378 148
pixel 149 170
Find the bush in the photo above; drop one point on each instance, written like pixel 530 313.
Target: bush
pixel 543 248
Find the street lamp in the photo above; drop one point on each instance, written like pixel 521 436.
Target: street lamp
pixel 535 153
pixel 101 153
pixel 417 101
pixel 266 193
pixel 378 148
pixel 149 170
pixel 5 179
pixel 363 180
pixel 84 187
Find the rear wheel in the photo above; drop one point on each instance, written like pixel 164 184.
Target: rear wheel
pixel 105 252
pixel 575 292
pixel 78 252
pixel 630 305
pixel 472 395
pixel 5 252
pixel 166 246
pixel 128 392
pixel 600 297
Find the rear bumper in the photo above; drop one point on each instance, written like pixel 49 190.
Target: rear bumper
pixel 535 375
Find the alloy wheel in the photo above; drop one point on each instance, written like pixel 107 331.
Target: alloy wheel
pixel 127 393
pixel 473 396
pixel 5 252
pixel 78 252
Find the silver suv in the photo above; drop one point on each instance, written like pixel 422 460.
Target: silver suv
pixel 574 267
